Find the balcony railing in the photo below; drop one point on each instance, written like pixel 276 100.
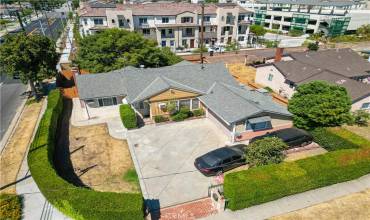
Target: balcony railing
pixel 144 25
pixel 167 35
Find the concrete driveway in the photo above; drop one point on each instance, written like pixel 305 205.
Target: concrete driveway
pixel 164 157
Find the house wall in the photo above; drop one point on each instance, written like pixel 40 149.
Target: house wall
pixel 277 83
pixel 164 97
pixel 116 15
pixel 227 129
pixel 357 105
pixel 276 121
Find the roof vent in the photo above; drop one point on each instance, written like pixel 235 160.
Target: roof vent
pixel 340 82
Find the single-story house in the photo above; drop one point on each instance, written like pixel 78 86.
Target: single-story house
pixel 343 67
pixel 241 112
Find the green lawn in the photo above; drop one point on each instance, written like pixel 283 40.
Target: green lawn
pixel 10 207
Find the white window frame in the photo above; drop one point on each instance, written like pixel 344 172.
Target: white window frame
pixel 363 105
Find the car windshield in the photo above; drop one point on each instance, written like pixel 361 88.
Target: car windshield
pixel 210 160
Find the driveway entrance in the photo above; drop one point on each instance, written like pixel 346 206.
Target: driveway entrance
pixel 165 157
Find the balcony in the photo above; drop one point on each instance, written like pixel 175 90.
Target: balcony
pixel 209 35
pixel 227 32
pixel 167 36
pixel 144 25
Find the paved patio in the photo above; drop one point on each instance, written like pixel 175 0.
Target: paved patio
pixel 164 155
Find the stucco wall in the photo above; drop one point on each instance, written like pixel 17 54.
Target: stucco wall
pixel 277 83
pixel 357 105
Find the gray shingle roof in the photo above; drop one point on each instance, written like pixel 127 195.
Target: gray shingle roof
pixel 234 103
pixel 216 87
pixel 309 2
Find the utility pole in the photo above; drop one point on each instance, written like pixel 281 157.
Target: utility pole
pixel 202 36
pixel 20 21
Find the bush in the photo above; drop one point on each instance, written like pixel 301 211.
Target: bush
pixel 198 112
pixel 295 32
pixel 179 117
pixel 76 202
pixel 10 207
pixel 361 117
pixel 266 183
pixel 160 118
pixel 265 151
pixel 186 111
pixel 268 89
pixel 331 141
pixel 313 46
pixel 128 116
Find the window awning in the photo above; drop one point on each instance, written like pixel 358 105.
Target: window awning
pixel 259 119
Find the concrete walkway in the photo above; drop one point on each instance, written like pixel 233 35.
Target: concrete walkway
pixel 297 201
pixel 108 115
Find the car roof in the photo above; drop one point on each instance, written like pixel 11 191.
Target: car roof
pixel 289 133
pixel 223 152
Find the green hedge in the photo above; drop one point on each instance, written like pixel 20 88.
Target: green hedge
pixel 331 141
pixel 128 116
pixel 266 183
pixel 76 202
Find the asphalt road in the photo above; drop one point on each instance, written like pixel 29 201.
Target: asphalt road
pixel 41 26
pixel 11 96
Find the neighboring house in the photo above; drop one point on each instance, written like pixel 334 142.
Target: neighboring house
pixel 239 111
pixel 174 25
pixel 333 17
pixel 342 67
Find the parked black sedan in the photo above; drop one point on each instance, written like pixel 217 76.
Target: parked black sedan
pixel 293 137
pixel 221 160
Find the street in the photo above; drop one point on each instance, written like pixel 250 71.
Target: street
pixel 11 97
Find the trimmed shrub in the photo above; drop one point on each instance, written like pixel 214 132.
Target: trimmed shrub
pixel 10 207
pixel 179 116
pixel 186 111
pixel 266 183
pixel 160 118
pixel 265 151
pixel 198 112
pixel 128 116
pixel 331 141
pixel 76 202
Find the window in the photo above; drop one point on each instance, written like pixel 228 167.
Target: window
pixel 184 43
pixel 163 32
pixel 270 77
pixel 170 31
pixel 194 104
pixel 98 21
pixel 241 17
pixel 186 20
pixel 189 31
pixel 172 43
pixel 165 19
pixel 113 21
pixel 261 126
pixel 313 22
pixel 207 18
pixel 162 106
pixel 85 21
pixel 121 23
pixel 241 38
pixel 146 31
pixel 184 103
pixel 107 101
pixel 365 105
pixel 143 21
pixel 163 43
pixel 128 21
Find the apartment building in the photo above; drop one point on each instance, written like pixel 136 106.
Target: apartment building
pixel 174 25
pixel 331 17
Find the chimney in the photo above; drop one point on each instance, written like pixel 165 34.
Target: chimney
pixel 278 54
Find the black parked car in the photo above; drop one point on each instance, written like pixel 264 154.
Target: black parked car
pixel 221 160
pixel 293 137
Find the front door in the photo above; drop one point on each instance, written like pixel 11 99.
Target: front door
pixel 192 43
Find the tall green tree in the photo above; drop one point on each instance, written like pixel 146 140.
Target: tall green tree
pixel 320 104
pixel 33 58
pixel 258 31
pixel 114 48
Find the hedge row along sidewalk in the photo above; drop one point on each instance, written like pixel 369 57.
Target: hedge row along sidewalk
pixel 266 183
pixel 76 202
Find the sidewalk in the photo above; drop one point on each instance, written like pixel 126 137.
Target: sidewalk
pixel 35 206
pixel 297 201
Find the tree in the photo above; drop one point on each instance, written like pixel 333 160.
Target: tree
pixel 33 58
pixel 295 32
pixel 313 46
pixel 265 151
pixel 3 23
pixel 233 46
pixel 114 48
pixel 75 4
pixel 320 104
pixel 257 30
pixel 364 30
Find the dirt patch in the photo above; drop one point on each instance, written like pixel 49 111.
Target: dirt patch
pixel 244 74
pixel 363 131
pixel 14 152
pixel 89 156
pixel 353 206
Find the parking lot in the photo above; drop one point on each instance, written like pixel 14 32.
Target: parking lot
pixel 165 155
